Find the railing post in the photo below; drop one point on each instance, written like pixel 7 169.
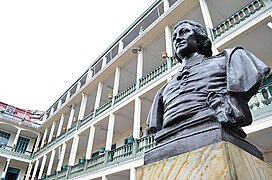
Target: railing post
pixel 169 63
pixel 85 165
pixel 106 157
pixel 68 172
pixel 78 124
pixel 134 147
pixel 56 175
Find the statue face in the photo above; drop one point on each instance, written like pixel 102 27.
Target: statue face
pixel 184 41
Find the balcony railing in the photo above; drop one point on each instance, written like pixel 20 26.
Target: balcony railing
pixel 71 130
pixel 18 120
pixel 61 174
pixel 104 107
pixel 15 152
pixel 145 143
pixel 248 12
pixel 153 74
pixel 261 103
pixel 120 154
pixel 87 119
pixel 74 170
pixel 124 93
pixel 173 61
pixel 109 158
pixel 96 162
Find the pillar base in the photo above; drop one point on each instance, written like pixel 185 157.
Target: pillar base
pixel 222 160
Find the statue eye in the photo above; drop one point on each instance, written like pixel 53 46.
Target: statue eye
pixel 184 31
pixel 174 36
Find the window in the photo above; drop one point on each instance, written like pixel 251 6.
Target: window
pixel 22 144
pixel 10 109
pixel 4 134
pixel 4 137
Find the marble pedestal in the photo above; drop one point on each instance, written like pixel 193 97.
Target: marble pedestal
pixel 222 160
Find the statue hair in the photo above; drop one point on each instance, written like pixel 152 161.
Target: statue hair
pixel 203 41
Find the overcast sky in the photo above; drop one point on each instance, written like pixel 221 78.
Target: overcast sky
pixel 46 45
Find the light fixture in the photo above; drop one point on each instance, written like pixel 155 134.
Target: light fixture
pixel 269 24
pixel 136 51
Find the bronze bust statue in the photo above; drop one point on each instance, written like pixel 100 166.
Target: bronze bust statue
pixel 206 101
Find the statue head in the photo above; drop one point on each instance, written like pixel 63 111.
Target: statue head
pixel 190 37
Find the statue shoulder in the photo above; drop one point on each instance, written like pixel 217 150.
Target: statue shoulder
pixel 217 56
pixel 227 53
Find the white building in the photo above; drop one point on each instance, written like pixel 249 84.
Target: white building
pixel 97 130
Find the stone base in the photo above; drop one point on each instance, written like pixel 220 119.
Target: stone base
pixel 201 136
pixel 222 160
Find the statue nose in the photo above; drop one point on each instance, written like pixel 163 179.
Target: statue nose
pixel 180 38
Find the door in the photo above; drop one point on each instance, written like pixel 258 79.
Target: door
pixel 12 173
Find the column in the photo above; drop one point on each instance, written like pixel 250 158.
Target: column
pixel 5 168
pixel 165 5
pixel 42 166
pixel 59 103
pixel 98 95
pixel 116 81
pixel 29 170
pixel 35 169
pixel 82 106
pixel 52 131
pixel 25 113
pixel 78 86
pixel 44 116
pixel 74 150
pixel 137 118
pixel 62 154
pixel 206 14
pixel 16 138
pixel 140 60
pixel 89 75
pixel 104 62
pixel 51 111
pixel 169 78
pixel 44 137
pixel 37 142
pixel 168 41
pixel 168 45
pixel 70 120
pixel 68 96
pixel 51 161
pixel 104 177
pixel 140 64
pixel 110 132
pixel 121 46
pixel 90 142
pixel 60 124
pixel 132 173
pixel 207 20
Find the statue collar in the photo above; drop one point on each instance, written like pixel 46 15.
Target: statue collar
pixel 192 61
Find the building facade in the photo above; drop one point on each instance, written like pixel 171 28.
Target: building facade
pixel 18 135
pixel 97 130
